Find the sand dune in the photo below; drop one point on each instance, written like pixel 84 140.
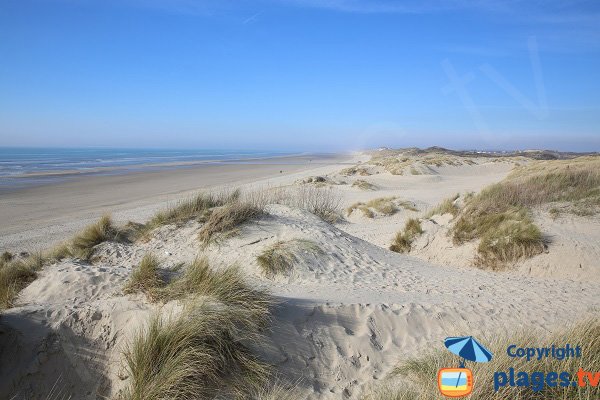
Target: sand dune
pixel 345 315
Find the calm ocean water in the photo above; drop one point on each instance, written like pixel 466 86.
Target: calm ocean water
pixel 29 166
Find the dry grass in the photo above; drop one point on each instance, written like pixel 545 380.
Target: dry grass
pixel 383 205
pixel 397 162
pixel 356 170
pixel 280 257
pixel 576 182
pixel 196 208
pixel 362 207
pixel 225 220
pixel 447 206
pixel 203 352
pixel 15 275
pixel 6 257
pixel 276 392
pixel 363 185
pixel 322 202
pixel 146 278
pixel 419 374
pixel 315 180
pixel 199 354
pixel 500 215
pixel 225 285
pixel 82 245
pixel 403 240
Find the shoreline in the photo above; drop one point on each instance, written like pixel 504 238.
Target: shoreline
pixel 9 183
pixel 37 217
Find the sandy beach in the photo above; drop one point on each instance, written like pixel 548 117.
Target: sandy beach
pixel 37 217
pixel 349 309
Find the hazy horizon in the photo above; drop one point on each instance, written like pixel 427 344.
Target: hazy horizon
pixel 300 75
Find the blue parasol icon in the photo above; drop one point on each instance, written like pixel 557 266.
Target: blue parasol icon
pixel 468 348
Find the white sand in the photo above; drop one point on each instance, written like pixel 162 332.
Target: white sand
pixel 345 319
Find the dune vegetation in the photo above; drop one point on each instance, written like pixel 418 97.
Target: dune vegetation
pixel 403 241
pixel 501 214
pixel 224 221
pixel 194 208
pixel 402 161
pixel 201 353
pixel 281 256
pixel 412 379
pixel 363 185
pixel 355 170
pixel 146 278
pixel 82 245
pixel 226 285
pixel 383 205
pixel 15 274
pixel 447 206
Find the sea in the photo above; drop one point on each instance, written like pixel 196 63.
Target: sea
pixel 22 167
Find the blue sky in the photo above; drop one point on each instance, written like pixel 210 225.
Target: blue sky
pixel 300 74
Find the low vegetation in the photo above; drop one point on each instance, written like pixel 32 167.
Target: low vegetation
pixel 204 351
pixel 415 161
pixel 500 215
pixel 447 206
pixel 322 202
pixel 383 205
pixel 367 212
pixel 194 208
pixel 319 181
pixel 225 220
pixel 280 257
pixel 363 185
pixel 146 278
pixel 356 170
pixel 82 245
pixel 6 257
pixel 199 354
pixel 16 274
pixel 226 285
pixel 403 240
pixel 414 379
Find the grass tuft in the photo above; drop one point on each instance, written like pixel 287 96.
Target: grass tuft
pixel 383 205
pixel 194 208
pixel 403 240
pixel 225 285
pixel 82 245
pixel 447 206
pixel 500 215
pixel 280 257
pixel 146 278
pixel 196 355
pixel 363 185
pixel 6 257
pixel 15 275
pixel 225 220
